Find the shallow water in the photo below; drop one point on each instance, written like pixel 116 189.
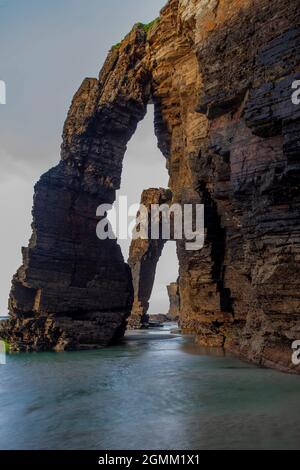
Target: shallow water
pixel 155 391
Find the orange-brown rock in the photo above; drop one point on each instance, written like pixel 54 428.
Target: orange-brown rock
pixel 173 293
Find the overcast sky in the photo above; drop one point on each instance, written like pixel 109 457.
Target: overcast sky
pixel 47 48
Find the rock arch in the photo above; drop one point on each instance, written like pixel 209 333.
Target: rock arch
pixel 73 290
pixel 220 76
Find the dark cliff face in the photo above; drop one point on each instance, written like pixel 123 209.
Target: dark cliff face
pixel 249 178
pixel 219 73
pixel 73 290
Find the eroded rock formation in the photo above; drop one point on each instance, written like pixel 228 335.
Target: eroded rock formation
pixel 219 73
pixel 143 258
pixel 73 290
pixel 173 293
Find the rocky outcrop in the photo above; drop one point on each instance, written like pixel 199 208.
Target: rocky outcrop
pixel 222 74
pixel 159 319
pixel 73 290
pixel 249 181
pixel 173 293
pixel 241 290
pixel 219 73
pixel 143 258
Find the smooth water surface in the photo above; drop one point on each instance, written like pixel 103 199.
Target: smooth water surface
pixel 155 391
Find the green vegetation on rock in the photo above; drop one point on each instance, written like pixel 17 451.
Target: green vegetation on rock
pixel 145 27
pixel 117 46
pixel 6 345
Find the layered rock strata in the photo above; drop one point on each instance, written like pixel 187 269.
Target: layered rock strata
pixel 73 290
pixel 173 293
pixel 220 75
pixel 143 258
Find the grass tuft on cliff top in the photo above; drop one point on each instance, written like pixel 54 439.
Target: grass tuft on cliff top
pixel 117 46
pixel 145 27
pixel 6 345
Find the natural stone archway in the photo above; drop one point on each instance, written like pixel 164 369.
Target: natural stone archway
pixel 220 75
pixel 73 290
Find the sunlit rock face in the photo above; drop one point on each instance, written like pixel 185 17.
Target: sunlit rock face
pixel 242 290
pixel 219 74
pixel 173 293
